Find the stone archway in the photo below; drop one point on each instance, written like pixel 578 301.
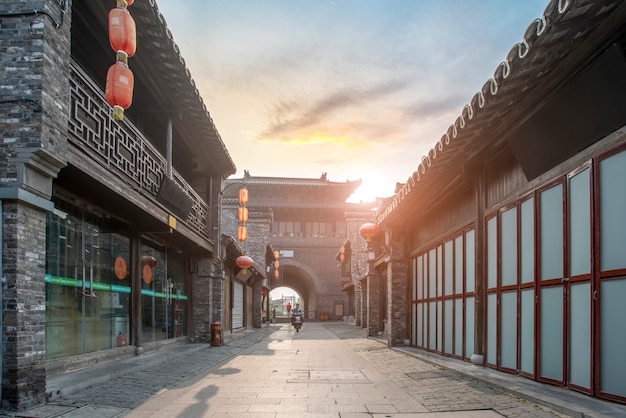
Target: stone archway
pixel 302 279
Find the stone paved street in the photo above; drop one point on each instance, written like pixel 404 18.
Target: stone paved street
pixel 441 390
pixel 328 370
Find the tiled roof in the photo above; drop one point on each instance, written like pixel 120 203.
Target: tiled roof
pixel 294 181
pixel 273 187
pixel 158 55
pixel 553 48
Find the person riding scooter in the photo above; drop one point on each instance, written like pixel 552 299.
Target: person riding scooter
pixel 296 312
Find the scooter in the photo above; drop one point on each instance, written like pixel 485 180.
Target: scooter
pixel 296 321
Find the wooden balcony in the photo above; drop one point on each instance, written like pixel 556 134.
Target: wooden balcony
pixel 122 149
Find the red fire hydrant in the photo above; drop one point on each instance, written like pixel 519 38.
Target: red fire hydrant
pixel 216 334
pixel 121 340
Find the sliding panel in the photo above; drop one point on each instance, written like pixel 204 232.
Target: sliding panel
pixel 613 337
pixel 458 327
pixel 551 350
pixel 492 302
pixel 580 224
pixel 470 261
pixel 612 210
pixel 448 322
pixel 527 241
pixel 508 247
pixel 508 330
pixel 469 327
pixel 527 331
pixel 580 335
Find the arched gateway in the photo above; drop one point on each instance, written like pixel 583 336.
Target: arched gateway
pixel 304 221
pixel 303 280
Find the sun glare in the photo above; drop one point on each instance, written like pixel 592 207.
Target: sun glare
pixel 368 192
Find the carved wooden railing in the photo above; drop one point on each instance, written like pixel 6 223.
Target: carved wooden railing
pixel 121 148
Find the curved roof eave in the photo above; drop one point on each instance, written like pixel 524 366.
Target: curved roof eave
pixel 547 41
pixel 158 42
pixel 300 184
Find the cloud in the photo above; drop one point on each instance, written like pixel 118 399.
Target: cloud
pixel 334 114
pixel 348 87
pixel 420 110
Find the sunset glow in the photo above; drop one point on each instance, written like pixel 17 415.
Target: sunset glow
pixel 358 89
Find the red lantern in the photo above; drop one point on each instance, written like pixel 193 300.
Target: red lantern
pixel 242 213
pixel 119 88
pixel 244 263
pixel 242 233
pixel 276 274
pixel 243 195
pixel 368 230
pixel 122 31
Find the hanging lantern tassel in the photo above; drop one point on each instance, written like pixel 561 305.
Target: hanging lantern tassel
pixel 119 86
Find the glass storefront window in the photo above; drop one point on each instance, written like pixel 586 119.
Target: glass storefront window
pixel 87 282
pixel 176 273
pixel 163 297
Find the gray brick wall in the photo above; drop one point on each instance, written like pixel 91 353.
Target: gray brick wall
pixel 374 318
pixel 258 233
pixel 358 263
pixel 23 305
pixel 35 59
pixel 257 300
pixel 358 302
pixel 397 294
pixel 201 305
pixel 258 226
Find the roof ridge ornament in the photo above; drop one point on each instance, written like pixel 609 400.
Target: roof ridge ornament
pixel 493 86
pixel 470 111
pixel 506 69
pixel 522 49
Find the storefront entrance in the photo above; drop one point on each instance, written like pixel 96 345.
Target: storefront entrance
pixel 89 283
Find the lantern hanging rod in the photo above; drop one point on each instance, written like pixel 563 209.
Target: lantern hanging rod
pixel 232 184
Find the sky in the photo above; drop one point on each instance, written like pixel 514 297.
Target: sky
pixel 356 89
pixel 280 292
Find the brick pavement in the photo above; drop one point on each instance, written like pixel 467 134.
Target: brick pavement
pixel 329 370
pixel 439 389
pixel 117 396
